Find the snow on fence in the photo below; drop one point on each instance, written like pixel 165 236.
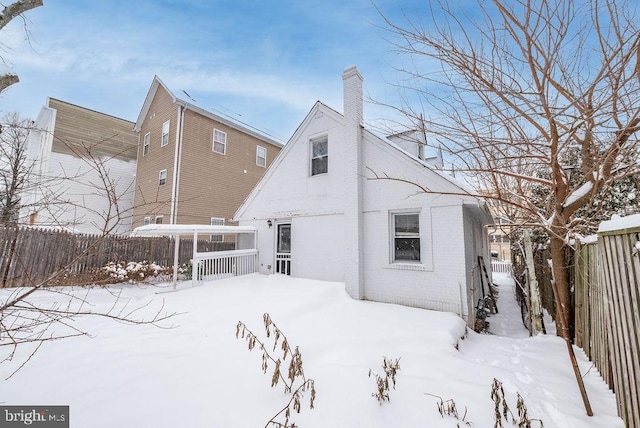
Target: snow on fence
pixel 223 264
pixel 607 294
pixel 502 267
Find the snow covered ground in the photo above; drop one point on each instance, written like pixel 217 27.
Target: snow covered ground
pixel 198 374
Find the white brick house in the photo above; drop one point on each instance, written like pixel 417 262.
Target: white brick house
pixel 321 213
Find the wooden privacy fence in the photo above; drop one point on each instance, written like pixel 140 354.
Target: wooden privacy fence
pixel 591 323
pixel 29 255
pixel 607 299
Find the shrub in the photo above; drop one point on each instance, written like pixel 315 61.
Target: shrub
pixel 295 372
pixel 390 369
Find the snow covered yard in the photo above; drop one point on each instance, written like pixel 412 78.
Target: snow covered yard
pixel 198 374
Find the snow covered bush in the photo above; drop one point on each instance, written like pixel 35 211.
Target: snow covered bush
pixel 136 271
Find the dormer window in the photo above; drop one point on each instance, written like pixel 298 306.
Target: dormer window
pixel 319 156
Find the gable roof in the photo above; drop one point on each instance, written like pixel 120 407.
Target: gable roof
pixel 157 83
pixel 320 107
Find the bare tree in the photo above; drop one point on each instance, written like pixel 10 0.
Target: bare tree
pixel 10 12
pixel 512 87
pixel 25 321
pixel 14 166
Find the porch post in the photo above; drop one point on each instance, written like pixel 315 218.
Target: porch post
pixel 194 267
pixel 176 252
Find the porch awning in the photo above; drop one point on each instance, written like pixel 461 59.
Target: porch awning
pixel 189 230
pixel 193 230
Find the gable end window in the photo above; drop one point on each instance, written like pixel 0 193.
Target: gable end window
pixel 165 134
pixel 261 156
pixel 319 156
pixel 219 141
pixel 162 178
pixel 406 237
pixel 146 144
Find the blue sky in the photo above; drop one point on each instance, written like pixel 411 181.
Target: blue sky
pixel 262 62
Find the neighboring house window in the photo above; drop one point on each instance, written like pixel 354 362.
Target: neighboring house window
pixel 219 141
pixel 165 134
pixel 158 219
pixel 319 156
pixel 215 221
pixel 406 237
pixel 261 156
pixel 162 177
pixel 147 220
pixel 147 142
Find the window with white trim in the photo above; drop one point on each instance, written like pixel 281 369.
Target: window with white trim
pixel 165 134
pixel 261 156
pixel 162 177
pixel 217 221
pixel 146 221
pixel 146 144
pixel 319 156
pixel 406 237
pixel 219 141
pixel 159 219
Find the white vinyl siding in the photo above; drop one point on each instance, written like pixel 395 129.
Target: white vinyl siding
pixel 219 141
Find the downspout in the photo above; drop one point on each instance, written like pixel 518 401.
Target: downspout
pixel 176 167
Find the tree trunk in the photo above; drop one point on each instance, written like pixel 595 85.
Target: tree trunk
pixel 562 293
pixel 560 275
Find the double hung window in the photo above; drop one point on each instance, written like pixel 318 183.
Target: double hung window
pixel 406 237
pixel 319 156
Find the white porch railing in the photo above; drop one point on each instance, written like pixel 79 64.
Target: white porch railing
pixel 224 264
pixel 283 263
pixel 502 267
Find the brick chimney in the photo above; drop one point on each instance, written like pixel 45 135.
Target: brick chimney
pixel 353 113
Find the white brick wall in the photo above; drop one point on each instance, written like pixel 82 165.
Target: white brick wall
pixel 353 111
pixel 326 221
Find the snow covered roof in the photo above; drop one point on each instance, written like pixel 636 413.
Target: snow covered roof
pixel 189 229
